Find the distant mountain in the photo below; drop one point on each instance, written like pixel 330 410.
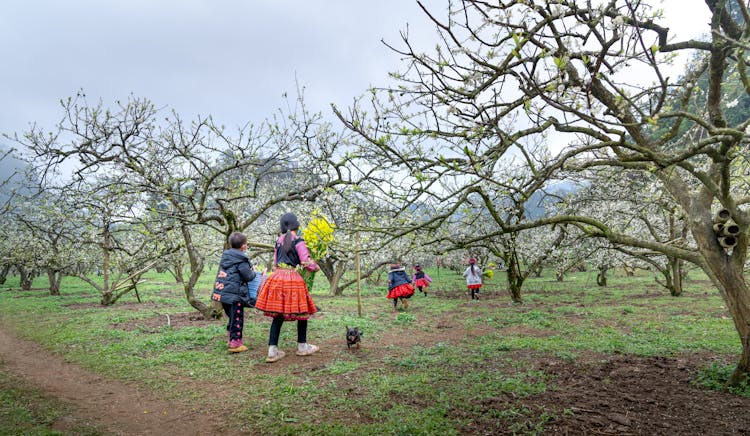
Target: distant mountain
pixel 540 201
pixel 12 174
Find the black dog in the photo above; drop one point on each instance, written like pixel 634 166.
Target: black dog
pixel 353 337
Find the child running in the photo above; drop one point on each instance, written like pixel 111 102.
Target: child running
pixel 473 276
pixel 399 286
pixel 421 279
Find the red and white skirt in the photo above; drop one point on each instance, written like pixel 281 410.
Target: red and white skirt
pixel 284 293
pixel 401 291
pixel 477 286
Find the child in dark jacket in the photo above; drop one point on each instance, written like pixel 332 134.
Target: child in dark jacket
pixel 399 286
pixel 230 288
pixel 421 279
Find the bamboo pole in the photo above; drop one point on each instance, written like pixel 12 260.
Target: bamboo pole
pixel 359 277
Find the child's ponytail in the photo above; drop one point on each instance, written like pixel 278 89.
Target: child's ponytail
pixel 288 223
pixel 287 244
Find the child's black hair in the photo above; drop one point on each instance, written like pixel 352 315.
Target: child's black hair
pixel 237 240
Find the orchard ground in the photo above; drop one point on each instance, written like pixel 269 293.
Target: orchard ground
pixel 574 359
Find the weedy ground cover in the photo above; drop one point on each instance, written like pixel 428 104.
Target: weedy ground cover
pixel 430 369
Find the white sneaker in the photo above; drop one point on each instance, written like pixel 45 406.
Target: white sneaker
pixel 274 355
pixel 306 349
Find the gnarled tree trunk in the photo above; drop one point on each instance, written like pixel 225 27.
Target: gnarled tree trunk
pixel 515 279
pixel 26 277
pixel 674 283
pixel 334 270
pixel 4 273
pixel 726 272
pixel 601 276
pixel 196 268
pixel 736 294
pixel 176 269
pixel 55 277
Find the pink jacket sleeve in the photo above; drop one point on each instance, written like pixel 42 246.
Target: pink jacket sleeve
pixel 304 256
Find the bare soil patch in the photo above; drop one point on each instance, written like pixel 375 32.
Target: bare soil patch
pixel 623 395
pixel 174 320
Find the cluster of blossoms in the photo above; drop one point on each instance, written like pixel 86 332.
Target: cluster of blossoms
pixel 318 236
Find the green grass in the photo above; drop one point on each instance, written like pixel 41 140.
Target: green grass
pixel 715 376
pixel 421 371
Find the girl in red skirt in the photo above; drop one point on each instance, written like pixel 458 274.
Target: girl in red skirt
pixel 473 278
pixel 421 279
pixel 399 286
pixel 284 295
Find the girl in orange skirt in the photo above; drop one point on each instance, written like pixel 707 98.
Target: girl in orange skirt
pixel 399 286
pixel 284 295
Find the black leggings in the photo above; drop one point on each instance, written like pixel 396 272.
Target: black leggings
pixel 236 314
pixel 278 321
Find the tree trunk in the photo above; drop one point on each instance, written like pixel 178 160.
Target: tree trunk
pixel 726 272
pixel 334 270
pixel 177 272
pixel 107 299
pixel 668 282
pixel 538 271
pixel 560 275
pixel 335 289
pixel 676 267
pixel 629 271
pixel 26 278
pixel 737 297
pixel 4 274
pixel 515 279
pixel 106 291
pixel 196 268
pixel 55 277
pixel 601 276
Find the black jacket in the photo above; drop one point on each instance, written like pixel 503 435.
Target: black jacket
pixel 235 271
pixel 290 258
pixel 397 277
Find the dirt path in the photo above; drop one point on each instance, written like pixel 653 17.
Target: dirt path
pixel 117 407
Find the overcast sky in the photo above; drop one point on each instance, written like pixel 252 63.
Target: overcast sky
pixel 230 59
